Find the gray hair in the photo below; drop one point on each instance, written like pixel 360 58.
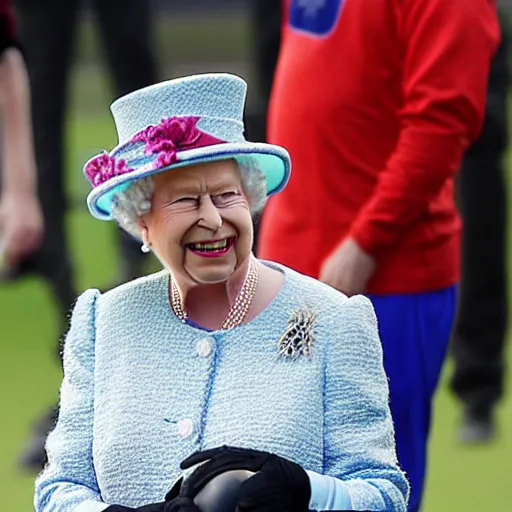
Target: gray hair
pixel 135 201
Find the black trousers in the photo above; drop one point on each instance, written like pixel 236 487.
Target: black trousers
pixel 480 329
pixel 266 19
pixel 47 30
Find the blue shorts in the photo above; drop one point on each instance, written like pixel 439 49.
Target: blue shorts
pixel 415 331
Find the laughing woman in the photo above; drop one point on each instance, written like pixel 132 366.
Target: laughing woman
pixel 243 364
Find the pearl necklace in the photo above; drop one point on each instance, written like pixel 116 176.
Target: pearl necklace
pixel 240 307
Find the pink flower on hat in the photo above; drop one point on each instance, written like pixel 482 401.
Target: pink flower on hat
pixel 167 138
pixel 104 167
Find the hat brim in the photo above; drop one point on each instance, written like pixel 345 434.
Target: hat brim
pixel 272 161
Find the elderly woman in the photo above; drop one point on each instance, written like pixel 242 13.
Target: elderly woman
pixel 219 359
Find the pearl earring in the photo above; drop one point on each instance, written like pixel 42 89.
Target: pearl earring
pixel 145 248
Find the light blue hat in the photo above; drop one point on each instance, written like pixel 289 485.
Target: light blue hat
pixel 176 123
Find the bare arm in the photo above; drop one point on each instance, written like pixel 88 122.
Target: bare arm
pixel 18 164
pixel 20 216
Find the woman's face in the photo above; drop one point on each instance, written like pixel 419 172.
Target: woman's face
pixel 200 223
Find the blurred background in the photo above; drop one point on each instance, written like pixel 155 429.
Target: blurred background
pixel 189 37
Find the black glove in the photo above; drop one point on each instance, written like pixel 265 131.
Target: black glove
pixel 279 485
pixel 181 505
pixel 154 507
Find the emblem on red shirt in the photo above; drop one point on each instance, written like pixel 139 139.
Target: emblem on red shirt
pixel 316 17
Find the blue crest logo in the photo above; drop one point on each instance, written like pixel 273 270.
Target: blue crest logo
pixel 316 17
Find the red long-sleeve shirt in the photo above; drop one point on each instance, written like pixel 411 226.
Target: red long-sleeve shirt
pixel 377 100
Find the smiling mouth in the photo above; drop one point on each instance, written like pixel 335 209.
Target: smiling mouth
pixel 212 248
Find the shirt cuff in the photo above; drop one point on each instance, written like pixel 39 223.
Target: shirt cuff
pixel 328 493
pixel 91 506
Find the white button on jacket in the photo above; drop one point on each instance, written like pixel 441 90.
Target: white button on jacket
pixel 205 347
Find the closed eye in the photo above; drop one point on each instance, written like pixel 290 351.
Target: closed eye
pixel 227 195
pixel 186 200
pixel 226 198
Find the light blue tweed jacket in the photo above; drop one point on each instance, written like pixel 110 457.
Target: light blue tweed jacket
pixel 142 391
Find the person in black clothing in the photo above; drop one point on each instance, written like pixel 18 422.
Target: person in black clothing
pixel 21 220
pixel 480 330
pixel 47 30
pixel 266 18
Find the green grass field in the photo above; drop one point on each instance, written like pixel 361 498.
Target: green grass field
pixel 460 479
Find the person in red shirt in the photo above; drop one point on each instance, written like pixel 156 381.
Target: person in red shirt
pixel 21 221
pixel 376 103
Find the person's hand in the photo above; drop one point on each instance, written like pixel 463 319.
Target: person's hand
pixel 348 269
pixel 278 485
pixel 21 226
pixel 174 502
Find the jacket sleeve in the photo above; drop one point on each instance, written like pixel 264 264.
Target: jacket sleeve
pixel 8 37
pixel 68 483
pixel 447 51
pixel 359 441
